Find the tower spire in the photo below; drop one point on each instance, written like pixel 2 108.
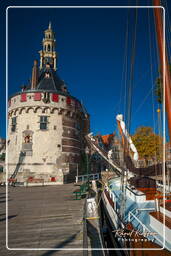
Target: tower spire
pixel 48 53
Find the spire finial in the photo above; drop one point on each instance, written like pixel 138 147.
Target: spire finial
pixel 49 24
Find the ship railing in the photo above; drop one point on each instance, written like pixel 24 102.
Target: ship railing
pixel 92 176
pixel 145 229
pixel 145 209
pixel 164 187
pixel 137 193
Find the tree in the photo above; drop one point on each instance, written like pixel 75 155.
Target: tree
pixel 159 87
pixel 159 90
pixel 148 144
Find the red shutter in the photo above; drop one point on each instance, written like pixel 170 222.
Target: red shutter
pixel 55 97
pixel 68 100
pixel 37 96
pixel 23 97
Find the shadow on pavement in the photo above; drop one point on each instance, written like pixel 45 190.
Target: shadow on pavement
pixel 61 245
pixel 9 217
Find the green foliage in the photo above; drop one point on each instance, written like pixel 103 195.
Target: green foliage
pixel 159 88
pixel 148 144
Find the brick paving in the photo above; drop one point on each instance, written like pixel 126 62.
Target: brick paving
pixel 42 217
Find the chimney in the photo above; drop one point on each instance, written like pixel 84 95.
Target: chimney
pixel 35 75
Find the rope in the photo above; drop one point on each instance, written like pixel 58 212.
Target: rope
pixel 126 60
pixel 144 100
pixel 156 45
pixel 152 79
pixel 168 28
pixel 129 107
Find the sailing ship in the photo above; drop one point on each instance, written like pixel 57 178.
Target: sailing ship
pixel 137 208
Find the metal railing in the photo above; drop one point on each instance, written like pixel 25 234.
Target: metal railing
pixel 92 176
pixel 144 227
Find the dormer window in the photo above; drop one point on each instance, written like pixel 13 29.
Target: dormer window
pixel 64 88
pixel 47 75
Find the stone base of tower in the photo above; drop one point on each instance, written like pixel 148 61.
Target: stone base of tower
pixel 45 176
pixel 42 175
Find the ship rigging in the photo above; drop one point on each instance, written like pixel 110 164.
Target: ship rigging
pixel 132 199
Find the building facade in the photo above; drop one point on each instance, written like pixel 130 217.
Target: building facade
pixel 106 143
pixel 47 125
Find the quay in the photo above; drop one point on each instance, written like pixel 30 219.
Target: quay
pixel 42 217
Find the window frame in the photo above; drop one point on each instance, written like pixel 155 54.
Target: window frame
pixel 13 123
pixel 43 123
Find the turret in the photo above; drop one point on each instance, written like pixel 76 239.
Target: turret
pixel 48 54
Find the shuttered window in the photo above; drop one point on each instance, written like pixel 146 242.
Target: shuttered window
pixel 23 97
pixel 68 100
pixel 55 97
pixel 37 96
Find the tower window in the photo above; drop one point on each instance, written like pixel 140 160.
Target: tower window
pixel 27 139
pixel 48 47
pixel 27 142
pixel 43 122
pixel 14 124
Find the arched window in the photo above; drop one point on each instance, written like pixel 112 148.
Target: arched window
pixel 48 47
pixel 49 35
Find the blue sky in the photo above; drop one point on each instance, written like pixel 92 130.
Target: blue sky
pixel 90 46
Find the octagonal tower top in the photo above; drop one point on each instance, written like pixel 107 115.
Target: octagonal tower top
pixel 48 53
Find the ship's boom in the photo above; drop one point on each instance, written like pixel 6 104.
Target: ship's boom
pixel 91 141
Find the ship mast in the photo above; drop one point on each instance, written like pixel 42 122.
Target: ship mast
pixel 164 62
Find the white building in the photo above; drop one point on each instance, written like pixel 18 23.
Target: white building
pixel 46 124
